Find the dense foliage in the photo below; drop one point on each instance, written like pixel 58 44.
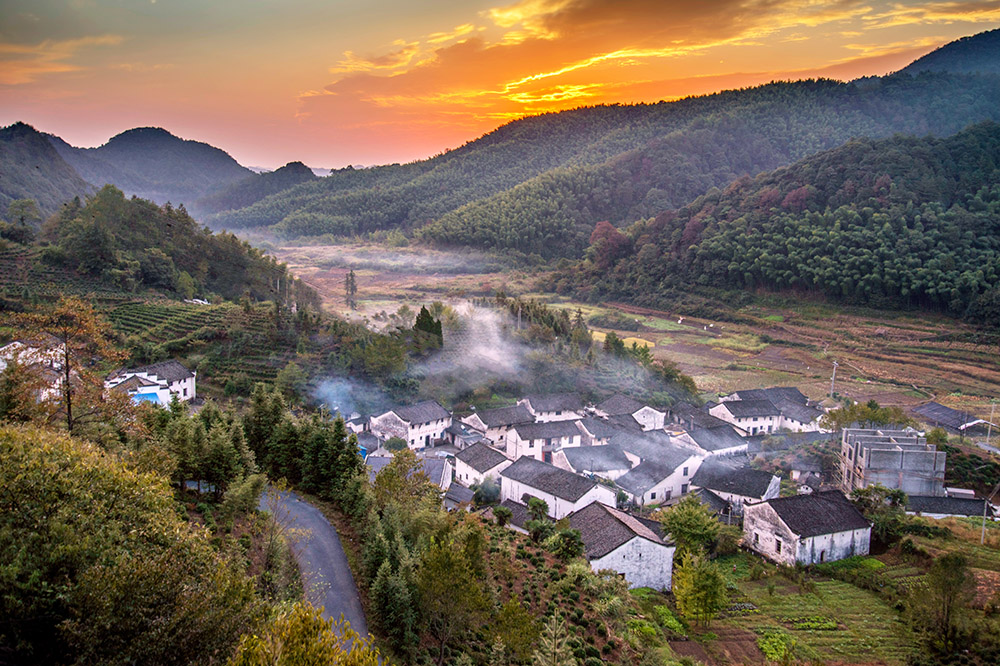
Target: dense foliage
pixel 135 242
pixel 32 169
pixel 894 222
pixel 152 163
pixel 538 185
pixel 975 53
pixel 253 188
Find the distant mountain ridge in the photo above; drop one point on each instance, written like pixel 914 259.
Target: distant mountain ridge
pixel 976 54
pixel 253 188
pixel 30 168
pixel 152 163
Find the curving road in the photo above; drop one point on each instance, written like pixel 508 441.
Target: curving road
pixel 326 575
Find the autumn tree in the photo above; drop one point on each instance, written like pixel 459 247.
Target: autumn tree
pixel 700 588
pixel 607 245
pixel 73 340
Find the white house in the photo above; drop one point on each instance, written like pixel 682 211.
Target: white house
pixel 737 484
pixel 614 540
pixel 608 462
pixel 661 475
pixel 540 440
pixel 420 425
pixel 554 406
pixel 171 375
pixel 496 423
pixel 721 440
pixel 621 405
pixel 141 389
pixel 42 357
pixel 806 529
pixel 563 491
pixel 752 417
pixel 764 411
pixel 478 462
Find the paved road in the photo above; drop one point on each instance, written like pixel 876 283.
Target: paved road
pixel 325 572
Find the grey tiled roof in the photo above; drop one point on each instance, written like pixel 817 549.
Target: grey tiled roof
pixel 549 430
pixel 774 394
pixel 604 529
pixel 481 457
pixel 818 513
pixel 711 500
pixel 171 371
pixel 505 416
pixel 598 428
pixel 742 409
pixel 644 476
pixel 716 439
pixel 596 458
pixel 459 494
pixel 938 414
pixel 724 477
pixel 555 402
pixel 797 411
pixel 951 506
pixel 619 404
pixel 422 412
pixel 548 478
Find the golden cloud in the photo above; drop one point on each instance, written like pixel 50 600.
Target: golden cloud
pixel 25 63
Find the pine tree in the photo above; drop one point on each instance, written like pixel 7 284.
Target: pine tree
pixel 553 646
pixel 392 606
pixel 351 290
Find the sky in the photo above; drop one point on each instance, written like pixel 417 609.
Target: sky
pixel 333 82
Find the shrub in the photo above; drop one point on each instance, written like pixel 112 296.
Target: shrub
pixel 668 620
pixel 775 645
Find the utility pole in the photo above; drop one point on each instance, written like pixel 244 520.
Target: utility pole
pixel 833 379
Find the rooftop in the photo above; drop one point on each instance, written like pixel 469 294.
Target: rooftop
pixel 459 494
pixel 774 394
pixel 548 478
pixel 505 416
pixel 818 513
pixel 548 430
pixel 951 506
pixel 716 439
pixel 427 411
pixel 728 478
pixel 170 371
pixel 481 457
pixel 554 402
pixel 742 409
pixel 604 529
pixel 596 458
pixel 939 415
pixel 619 404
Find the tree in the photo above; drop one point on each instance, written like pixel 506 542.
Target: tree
pixel 553 646
pixel 938 607
pixel 300 636
pixel 515 630
pixel 73 340
pixel 487 492
pixel 351 290
pixel 700 588
pixel 607 245
pixel 291 379
pixel 502 515
pixel 451 598
pixel 692 526
pixel 429 326
pixel 395 444
pixel 867 415
pixel 403 482
pixel 566 544
pixel 24 212
pixel 392 606
pixel 538 509
pixel 884 507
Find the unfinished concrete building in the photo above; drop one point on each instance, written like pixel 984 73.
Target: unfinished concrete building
pixel 893 458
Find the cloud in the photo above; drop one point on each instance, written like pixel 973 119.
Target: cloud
pixel 936 12
pixel 388 61
pixel 26 63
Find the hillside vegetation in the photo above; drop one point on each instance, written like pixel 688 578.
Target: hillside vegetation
pixel 32 169
pixel 976 53
pixel 896 222
pixel 254 187
pixel 552 177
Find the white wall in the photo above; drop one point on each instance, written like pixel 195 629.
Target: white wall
pixel 832 547
pixel 468 475
pixel 675 483
pixel 517 447
pixel 417 435
pixel 642 562
pixel 651 419
pixel 763 529
pixel 558 507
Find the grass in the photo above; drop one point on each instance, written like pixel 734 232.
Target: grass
pixel 742 342
pixel 598 336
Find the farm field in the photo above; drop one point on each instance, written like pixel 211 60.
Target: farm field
pixel 896 358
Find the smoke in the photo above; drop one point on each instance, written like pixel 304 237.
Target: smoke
pixel 352 396
pixel 409 261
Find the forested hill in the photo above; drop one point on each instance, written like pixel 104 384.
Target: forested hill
pixel 253 188
pixel 978 53
pixel 152 163
pixel 540 184
pixel 894 222
pixel 134 243
pixel 30 168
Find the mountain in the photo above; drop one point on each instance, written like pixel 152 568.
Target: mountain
pixel 895 222
pixel 539 185
pixel 974 54
pixel 253 188
pixel 30 168
pixel 152 163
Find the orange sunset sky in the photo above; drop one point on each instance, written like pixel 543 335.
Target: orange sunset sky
pixel 333 83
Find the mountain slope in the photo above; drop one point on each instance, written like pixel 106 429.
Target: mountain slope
pixel 974 54
pixel 894 222
pixel 30 168
pixel 253 188
pixel 152 163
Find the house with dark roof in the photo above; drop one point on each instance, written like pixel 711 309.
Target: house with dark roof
pixel 648 417
pixel 719 507
pixel 562 490
pixel 608 462
pixel 478 462
pixel 806 529
pixel 438 470
pixel 170 375
pixel 461 435
pixel 721 440
pixel 458 497
pixel 664 472
pixel 419 425
pixel 540 440
pixel 553 406
pixel 946 507
pixel 595 431
pixel 765 411
pixel 954 420
pixel 615 540
pixel 496 423
pixel 736 483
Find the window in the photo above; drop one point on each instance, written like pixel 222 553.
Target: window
pixel 185 393
pixel 756 538
pixel 652 496
pixel 684 471
pixel 684 489
pixel 777 545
